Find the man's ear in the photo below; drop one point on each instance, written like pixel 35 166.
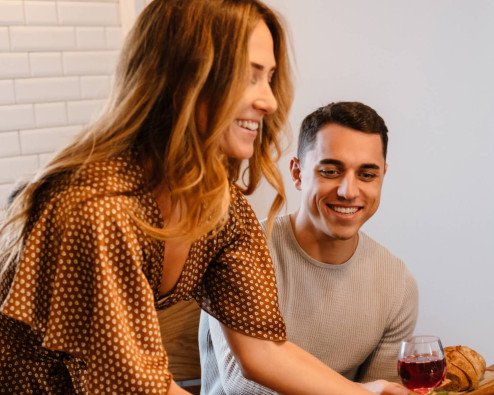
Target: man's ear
pixel 296 172
pixel 385 168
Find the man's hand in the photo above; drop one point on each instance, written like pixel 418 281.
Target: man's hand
pixel 384 387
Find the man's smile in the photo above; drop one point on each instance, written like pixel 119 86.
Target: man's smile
pixel 346 210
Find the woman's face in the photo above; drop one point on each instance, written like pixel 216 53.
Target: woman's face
pixel 257 100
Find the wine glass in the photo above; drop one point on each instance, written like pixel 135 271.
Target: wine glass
pixel 421 363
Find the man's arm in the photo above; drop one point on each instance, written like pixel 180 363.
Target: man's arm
pixel 381 364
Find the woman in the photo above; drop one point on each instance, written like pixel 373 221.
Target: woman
pixel 143 210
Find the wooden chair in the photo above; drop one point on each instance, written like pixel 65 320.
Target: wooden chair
pixel 179 325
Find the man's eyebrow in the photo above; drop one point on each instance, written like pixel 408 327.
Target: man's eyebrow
pixel 336 162
pixel 331 162
pixel 260 67
pixel 371 166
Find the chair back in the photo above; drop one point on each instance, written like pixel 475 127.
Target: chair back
pixel 179 325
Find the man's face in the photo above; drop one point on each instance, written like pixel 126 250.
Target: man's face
pixel 340 180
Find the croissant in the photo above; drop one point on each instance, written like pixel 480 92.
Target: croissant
pixel 464 368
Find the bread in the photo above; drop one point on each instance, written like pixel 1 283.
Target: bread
pixel 464 368
pixel 456 379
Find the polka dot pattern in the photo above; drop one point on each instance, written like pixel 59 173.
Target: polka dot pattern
pixel 79 316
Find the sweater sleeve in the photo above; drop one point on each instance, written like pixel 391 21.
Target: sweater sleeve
pixel 381 364
pixel 84 294
pixel 221 372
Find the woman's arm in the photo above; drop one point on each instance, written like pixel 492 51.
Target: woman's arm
pixel 286 368
pixel 176 390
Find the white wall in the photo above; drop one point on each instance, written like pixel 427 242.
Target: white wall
pixel 56 62
pixel 427 68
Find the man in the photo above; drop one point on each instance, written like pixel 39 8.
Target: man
pixel 345 298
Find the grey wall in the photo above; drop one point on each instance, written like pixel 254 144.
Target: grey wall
pixel 427 67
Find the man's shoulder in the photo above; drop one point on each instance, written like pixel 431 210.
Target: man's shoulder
pixel 381 258
pixel 379 255
pixel 378 250
pixel 279 224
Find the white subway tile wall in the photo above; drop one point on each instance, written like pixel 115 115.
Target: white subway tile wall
pixel 56 64
pixel 40 13
pixel 14 65
pixel 7 95
pixel 45 64
pixel 36 141
pixel 50 114
pixel 9 144
pixel 4 39
pixel 12 12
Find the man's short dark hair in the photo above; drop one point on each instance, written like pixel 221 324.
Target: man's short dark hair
pixel 352 115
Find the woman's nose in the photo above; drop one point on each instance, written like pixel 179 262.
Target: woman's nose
pixel 266 101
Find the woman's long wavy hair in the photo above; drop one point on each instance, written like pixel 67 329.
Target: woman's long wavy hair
pixel 181 55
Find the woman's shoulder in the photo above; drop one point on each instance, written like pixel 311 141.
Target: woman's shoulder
pixel 117 175
pixel 238 202
pixel 104 187
pixel 241 219
pixel 240 212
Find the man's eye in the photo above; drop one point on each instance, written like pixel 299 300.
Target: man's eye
pixel 329 173
pixel 366 176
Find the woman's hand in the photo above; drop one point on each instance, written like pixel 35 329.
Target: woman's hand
pixel 384 387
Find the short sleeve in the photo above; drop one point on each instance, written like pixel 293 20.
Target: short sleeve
pixel 81 289
pixel 239 286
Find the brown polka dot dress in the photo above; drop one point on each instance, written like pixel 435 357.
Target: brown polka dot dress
pixel 78 312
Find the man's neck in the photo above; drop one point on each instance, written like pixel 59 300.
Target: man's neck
pixel 320 246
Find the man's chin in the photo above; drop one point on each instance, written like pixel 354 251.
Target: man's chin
pixel 344 236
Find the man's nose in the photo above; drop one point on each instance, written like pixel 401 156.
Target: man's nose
pixel 348 188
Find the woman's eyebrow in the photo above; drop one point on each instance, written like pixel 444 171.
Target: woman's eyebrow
pixel 260 67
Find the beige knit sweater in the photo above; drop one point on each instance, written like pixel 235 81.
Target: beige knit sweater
pixel 351 316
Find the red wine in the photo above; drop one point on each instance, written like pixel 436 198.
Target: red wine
pixel 421 373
